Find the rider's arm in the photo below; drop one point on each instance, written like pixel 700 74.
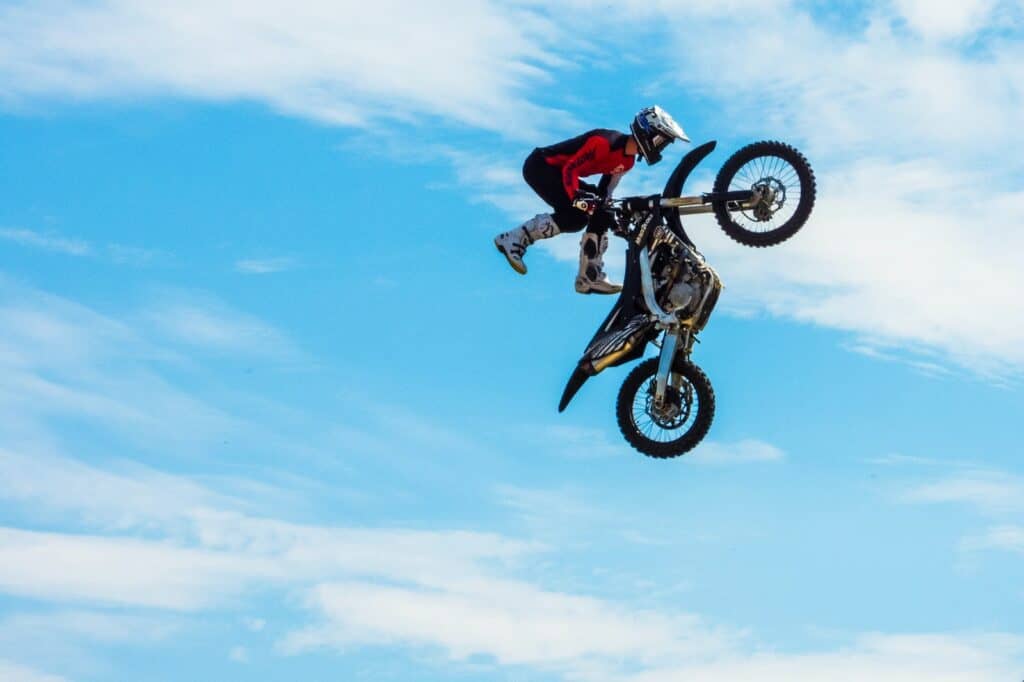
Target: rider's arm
pixel 594 147
pixel 608 184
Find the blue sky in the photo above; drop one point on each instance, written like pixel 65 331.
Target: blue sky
pixel 273 408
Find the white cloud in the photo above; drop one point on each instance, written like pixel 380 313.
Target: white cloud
pixel 989 492
pixel 12 672
pixel 22 629
pixel 1006 538
pixel 896 459
pixel 264 266
pixel 132 498
pixel 71 247
pixel 945 20
pixel 561 515
pixel 743 451
pixel 61 359
pixel 255 624
pixel 514 623
pixel 338 62
pixel 581 442
pixel 196 550
pixel 120 254
pixel 460 593
pixel 123 254
pixel 121 571
pixel 206 323
pixel 881 657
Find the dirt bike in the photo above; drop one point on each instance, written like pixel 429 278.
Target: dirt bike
pixel 762 196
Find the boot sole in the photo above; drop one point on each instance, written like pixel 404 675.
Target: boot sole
pixel 595 291
pixel 521 269
pixel 589 290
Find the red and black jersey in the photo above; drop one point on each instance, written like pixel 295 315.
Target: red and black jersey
pixel 595 151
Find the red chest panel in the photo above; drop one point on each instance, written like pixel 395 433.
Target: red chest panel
pixel 597 152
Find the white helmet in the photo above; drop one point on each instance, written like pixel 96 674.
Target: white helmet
pixel 654 130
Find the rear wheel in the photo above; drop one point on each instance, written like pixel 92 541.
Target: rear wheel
pixel 786 183
pixel 675 425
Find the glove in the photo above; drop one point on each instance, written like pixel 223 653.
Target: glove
pixel 586 201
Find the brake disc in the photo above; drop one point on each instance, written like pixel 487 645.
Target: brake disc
pixel 773 197
pixel 673 410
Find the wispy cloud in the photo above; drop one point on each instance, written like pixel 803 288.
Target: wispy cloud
pixel 123 254
pixel 204 322
pixel 264 266
pixel 159 544
pixel 60 360
pixel 95 626
pixel 938 22
pixel 987 491
pixel 338 62
pixel 994 494
pixel 12 672
pixel 47 242
pixel 513 623
pixel 561 507
pixel 744 451
pixel 580 442
pixel 1006 538
pixel 120 254
pixel 896 459
pixel 875 656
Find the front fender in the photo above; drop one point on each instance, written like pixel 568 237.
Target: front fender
pixel 674 186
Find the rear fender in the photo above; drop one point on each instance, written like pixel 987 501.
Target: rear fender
pixel 617 341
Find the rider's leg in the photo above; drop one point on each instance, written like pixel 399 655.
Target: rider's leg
pixel 514 242
pixel 592 278
pixel 546 181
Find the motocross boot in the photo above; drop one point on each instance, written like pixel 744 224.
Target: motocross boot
pixel 592 278
pixel 514 242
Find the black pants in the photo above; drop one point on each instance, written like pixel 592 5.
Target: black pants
pixel 546 181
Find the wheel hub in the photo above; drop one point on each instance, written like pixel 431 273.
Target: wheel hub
pixel 672 411
pixel 773 197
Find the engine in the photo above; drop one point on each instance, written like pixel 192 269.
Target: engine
pixel 685 284
pixel 682 296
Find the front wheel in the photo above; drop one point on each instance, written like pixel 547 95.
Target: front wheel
pixel 784 180
pixel 677 424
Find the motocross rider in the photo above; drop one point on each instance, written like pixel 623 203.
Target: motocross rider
pixel 554 173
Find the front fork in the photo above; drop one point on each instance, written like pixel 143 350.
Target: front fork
pixel 674 342
pixel 676 339
pixel 668 356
